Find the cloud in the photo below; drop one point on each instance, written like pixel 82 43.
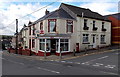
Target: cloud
pixel 15 11
pixel 103 8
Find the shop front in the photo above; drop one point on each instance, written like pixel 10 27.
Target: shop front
pixel 53 44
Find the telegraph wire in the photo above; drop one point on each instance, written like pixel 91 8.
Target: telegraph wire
pixel 30 14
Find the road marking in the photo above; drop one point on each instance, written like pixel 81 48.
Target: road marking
pixel 86 63
pixel 90 54
pixel 77 63
pixel 97 64
pixel 48 70
pixel 97 59
pixel 69 62
pixel 109 73
pixel 103 57
pixel 110 66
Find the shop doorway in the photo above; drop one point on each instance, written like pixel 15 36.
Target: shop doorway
pixel 53 46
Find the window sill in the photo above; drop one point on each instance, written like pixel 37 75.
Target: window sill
pixel 69 32
pixel 102 43
pixel 85 43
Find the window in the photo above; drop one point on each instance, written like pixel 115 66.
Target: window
pixel 102 39
pixel 85 22
pixel 33 29
pixel 30 31
pixel 57 44
pixel 85 38
pixel 94 28
pixel 102 25
pixel 93 24
pixel 85 25
pixel 42 44
pixel 33 43
pixel 52 25
pixel 41 26
pixel 48 45
pixel 69 26
pixel 103 29
pixel 64 44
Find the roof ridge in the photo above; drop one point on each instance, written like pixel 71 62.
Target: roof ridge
pixel 76 6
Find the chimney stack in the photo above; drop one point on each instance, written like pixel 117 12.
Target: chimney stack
pixel 46 12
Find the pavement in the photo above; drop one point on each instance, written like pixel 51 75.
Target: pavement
pixel 68 56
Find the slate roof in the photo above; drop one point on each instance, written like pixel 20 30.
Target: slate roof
pixel 86 12
pixel 60 13
pixel 117 16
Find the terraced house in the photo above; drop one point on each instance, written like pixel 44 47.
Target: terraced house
pixel 65 29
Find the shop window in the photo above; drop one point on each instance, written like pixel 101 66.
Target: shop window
pixel 102 39
pixel 69 26
pixel 33 43
pixel 64 45
pixel 42 44
pixel 47 44
pixel 57 45
pixel 85 38
pixel 52 25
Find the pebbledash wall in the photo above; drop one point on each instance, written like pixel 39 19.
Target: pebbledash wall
pixel 79 38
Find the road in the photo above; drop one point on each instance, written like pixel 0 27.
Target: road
pixel 96 64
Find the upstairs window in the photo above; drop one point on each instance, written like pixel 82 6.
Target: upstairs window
pixel 102 25
pixel 69 26
pixel 85 22
pixel 94 28
pixel 33 29
pixel 52 25
pixel 93 24
pixel 41 26
pixel 85 25
pixel 30 30
pixel 103 29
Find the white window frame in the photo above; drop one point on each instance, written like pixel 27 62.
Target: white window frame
pixel 85 38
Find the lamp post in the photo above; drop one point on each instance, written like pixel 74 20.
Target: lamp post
pixel 16 36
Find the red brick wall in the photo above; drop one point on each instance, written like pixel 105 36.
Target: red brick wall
pixel 115 32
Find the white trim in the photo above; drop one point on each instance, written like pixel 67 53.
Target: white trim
pixel 45 45
pixel 58 46
pixel 69 44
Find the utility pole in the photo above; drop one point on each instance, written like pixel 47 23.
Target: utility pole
pixel 16 36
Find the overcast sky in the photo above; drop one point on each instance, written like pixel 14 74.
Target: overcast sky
pixel 15 9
